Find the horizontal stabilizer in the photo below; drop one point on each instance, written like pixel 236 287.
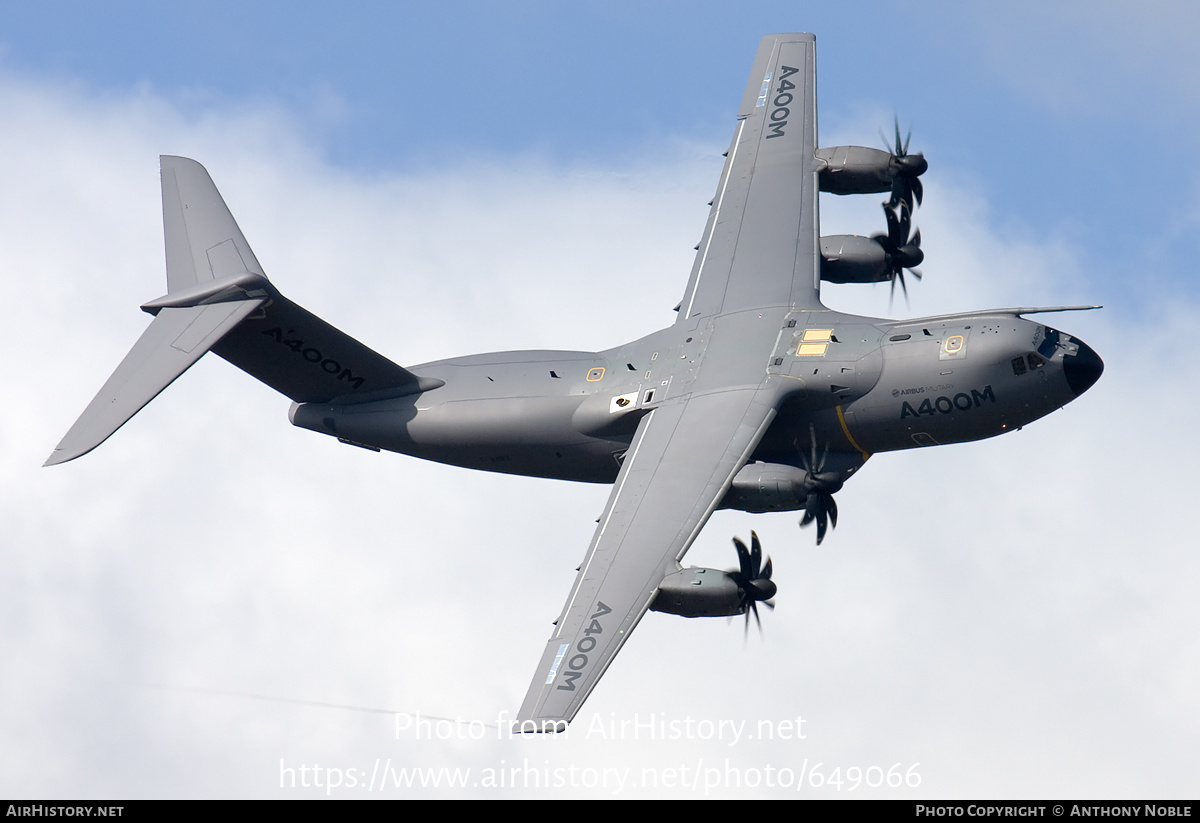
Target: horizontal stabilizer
pixel 175 340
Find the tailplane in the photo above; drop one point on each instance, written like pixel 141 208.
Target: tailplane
pixel 218 299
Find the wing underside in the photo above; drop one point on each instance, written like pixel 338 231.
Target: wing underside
pixel 757 260
pixel 759 244
pixel 678 468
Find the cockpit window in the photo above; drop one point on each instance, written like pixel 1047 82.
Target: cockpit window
pixel 1049 343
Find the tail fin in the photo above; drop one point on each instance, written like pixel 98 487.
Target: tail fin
pixel 219 299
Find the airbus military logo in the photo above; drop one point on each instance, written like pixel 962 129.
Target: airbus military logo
pixel 921 389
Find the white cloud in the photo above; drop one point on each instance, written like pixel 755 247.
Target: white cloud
pixel 1006 614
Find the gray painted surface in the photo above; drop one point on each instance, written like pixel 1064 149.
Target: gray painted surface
pixel 757 398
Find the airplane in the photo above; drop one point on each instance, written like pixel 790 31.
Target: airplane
pixel 757 397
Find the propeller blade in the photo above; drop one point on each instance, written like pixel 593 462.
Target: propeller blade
pixel 754 583
pixel 906 169
pixel 902 252
pixel 895 234
pixel 743 559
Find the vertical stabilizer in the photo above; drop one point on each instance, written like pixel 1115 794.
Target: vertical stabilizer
pixel 203 240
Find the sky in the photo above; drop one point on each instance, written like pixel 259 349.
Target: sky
pixel 217 604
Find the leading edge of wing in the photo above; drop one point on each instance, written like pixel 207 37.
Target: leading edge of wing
pixel 678 468
pixel 760 245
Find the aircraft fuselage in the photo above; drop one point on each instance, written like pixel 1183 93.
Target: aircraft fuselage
pixel 858 385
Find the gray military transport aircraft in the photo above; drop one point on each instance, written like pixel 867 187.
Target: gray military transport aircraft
pixel 757 397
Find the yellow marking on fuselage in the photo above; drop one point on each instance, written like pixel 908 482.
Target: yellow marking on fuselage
pixel 850 437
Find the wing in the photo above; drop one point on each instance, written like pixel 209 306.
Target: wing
pixel 678 467
pixel 759 246
pixel 759 251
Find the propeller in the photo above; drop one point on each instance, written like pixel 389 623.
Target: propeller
pixel 906 170
pixel 753 579
pixel 902 251
pixel 820 507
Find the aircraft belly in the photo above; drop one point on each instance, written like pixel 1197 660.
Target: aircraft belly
pixel 593 461
pixel 515 435
pixel 789 439
pixel 507 421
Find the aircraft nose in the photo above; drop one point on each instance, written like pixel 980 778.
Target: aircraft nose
pixel 1083 368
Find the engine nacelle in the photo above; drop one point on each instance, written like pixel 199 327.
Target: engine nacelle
pixel 851 258
pixel 855 170
pixel 767 487
pixel 697 592
pixel 779 487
